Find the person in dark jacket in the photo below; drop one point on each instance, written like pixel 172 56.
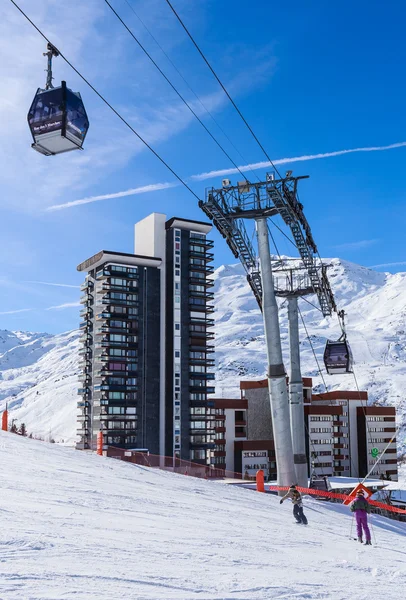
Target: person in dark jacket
pixel 360 506
pixel 296 498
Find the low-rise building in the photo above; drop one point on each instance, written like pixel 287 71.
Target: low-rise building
pixel 343 434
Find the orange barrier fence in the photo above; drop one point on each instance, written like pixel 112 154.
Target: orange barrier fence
pixel 260 481
pixel 338 496
pixel 170 463
pixel 4 421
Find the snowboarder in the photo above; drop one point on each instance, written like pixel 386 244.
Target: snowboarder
pixel 296 498
pixel 360 506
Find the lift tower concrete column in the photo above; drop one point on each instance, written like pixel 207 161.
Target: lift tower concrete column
pixel 278 393
pixel 297 423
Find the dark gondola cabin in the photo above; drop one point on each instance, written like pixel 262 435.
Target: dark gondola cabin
pixel 58 120
pixel 338 357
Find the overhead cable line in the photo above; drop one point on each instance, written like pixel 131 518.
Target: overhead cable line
pixel 222 86
pixel 190 88
pixel 175 89
pixel 110 106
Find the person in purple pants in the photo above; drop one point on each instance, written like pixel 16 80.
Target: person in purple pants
pixel 360 506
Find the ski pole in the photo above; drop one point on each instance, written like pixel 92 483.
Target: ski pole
pixel 373 532
pixel 352 521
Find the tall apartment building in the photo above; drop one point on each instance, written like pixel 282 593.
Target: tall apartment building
pixel 146 338
pixel 120 351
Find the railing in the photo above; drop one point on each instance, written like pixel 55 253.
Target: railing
pixel 170 463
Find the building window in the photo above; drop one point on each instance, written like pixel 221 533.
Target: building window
pixel 177 326
pixel 177 273
pixel 177 354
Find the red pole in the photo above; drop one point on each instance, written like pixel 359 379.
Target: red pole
pixel 100 444
pixel 4 421
pixel 260 481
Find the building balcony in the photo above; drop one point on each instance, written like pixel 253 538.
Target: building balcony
pixel 103 329
pixel 203 376
pixel 84 391
pixel 200 241
pixel 83 404
pixel 203 389
pixel 204 268
pixel 240 434
pixel 106 300
pixel 205 362
pixel 103 358
pixel 85 335
pixel 207 335
pixel 199 294
pixel 219 453
pixel 220 442
pixel 110 387
pixel 107 314
pixel 87 298
pixel 83 431
pixel 207 282
pixel 84 419
pixel 207 256
pixel 111 272
pixel 86 311
pixel 200 346
pixel 87 285
pixel 84 350
pixel 220 429
pixel 113 287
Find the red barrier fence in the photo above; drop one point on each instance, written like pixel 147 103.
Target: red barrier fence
pixel 170 463
pixel 336 495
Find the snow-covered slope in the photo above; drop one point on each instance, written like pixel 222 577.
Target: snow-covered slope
pixel 38 379
pixel 375 304
pixel 76 525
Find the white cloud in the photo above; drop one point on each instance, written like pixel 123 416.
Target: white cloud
pixel 62 306
pixel 357 245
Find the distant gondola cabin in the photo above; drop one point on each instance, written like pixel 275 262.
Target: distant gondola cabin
pixel 338 357
pixel 57 120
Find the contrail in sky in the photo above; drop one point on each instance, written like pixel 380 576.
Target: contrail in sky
pixel 283 161
pixel 153 187
pixel 208 175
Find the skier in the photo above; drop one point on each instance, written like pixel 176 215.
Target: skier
pixel 296 498
pixel 360 506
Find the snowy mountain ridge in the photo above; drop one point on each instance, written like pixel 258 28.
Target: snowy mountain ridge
pixel 38 372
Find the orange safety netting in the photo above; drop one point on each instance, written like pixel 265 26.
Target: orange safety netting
pixel 338 496
pixel 170 463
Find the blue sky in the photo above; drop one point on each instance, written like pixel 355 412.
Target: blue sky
pixel 311 78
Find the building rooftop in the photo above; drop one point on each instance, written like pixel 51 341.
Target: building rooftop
pixel 200 226
pixel 120 258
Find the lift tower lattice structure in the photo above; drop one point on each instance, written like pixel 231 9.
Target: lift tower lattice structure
pixel 228 208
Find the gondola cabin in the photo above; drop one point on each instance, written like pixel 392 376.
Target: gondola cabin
pixel 57 120
pixel 338 357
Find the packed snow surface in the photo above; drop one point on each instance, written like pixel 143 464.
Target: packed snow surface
pixel 76 525
pixel 38 372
